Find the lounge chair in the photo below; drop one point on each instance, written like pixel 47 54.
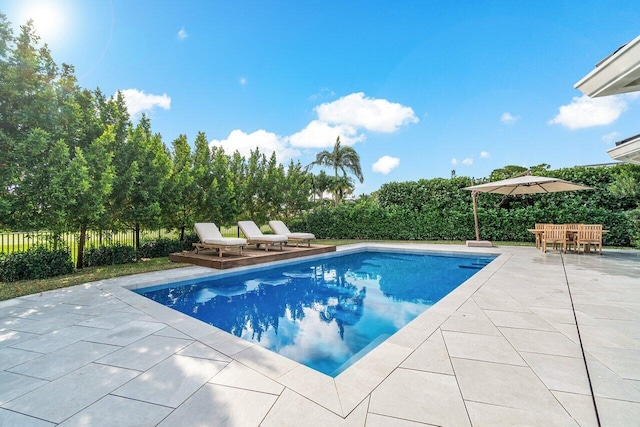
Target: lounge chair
pixel 210 238
pixel 255 237
pixel 279 227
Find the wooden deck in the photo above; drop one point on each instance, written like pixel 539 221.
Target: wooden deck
pixel 250 256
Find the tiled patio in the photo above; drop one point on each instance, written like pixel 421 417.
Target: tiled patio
pixel 502 349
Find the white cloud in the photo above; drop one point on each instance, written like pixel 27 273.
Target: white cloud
pixel 468 161
pixel 266 142
pixel 508 118
pixel 484 155
pixel 319 134
pixel 182 34
pixel 324 93
pixel 358 111
pixel 611 137
pixel 242 81
pixel 386 164
pixel 586 112
pixel 137 101
pixel 454 161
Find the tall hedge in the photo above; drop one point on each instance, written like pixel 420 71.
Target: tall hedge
pixel 439 209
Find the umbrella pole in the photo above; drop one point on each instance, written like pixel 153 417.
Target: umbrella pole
pixel 474 196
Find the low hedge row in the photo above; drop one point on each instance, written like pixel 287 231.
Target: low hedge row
pixel 35 263
pixel 40 262
pixel 369 220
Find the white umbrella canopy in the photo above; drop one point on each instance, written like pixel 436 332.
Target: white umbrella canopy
pixel 527 184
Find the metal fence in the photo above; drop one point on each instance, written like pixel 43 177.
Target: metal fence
pixel 22 241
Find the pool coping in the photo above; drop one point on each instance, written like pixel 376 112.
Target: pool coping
pixel 342 394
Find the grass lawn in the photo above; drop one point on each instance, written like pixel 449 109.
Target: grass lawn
pixel 92 274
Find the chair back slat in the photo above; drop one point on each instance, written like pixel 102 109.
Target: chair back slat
pixel 589 234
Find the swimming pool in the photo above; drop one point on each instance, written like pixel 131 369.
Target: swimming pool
pixel 325 312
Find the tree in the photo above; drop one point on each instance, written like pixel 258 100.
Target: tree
pixel 221 197
pixel 180 194
pixel 297 190
pixel 143 166
pixel 344 159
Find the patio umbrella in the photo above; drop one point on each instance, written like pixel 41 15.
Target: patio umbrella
pixel 527 184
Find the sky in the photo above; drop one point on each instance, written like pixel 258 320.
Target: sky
pixel 418 88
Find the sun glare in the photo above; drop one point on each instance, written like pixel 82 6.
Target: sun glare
pixel 49 18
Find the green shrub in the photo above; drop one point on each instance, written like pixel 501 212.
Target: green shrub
pixel 35 263
pixel 109 255
pixel 160 248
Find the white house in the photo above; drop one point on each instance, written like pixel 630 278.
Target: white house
pixel 617 73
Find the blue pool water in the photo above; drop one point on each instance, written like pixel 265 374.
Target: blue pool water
pixel 325 313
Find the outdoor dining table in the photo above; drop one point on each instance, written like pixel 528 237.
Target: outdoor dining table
pixel 571 234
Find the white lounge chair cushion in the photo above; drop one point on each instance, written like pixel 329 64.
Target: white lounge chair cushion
pixel 227 241
pixel 253 233
pixel 279 227
pixel 301 236
pixel 209 234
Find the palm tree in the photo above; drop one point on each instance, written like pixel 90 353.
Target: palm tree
pixel 345 159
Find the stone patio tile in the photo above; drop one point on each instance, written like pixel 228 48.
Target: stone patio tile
pixel 172 381
pixel 237 375
pixel 57 339
pixel 630 329
pixel 473 323
pixel 608 311
pixel 293 410
pixel 145 353
pixel 559 372
pixel 10 357
pixel 608 384
pixel 483 414
pixel 313 385
pixel 555 315
pixel 420 396
pixel 10 418
pixel 624 362
pixel 432 356
pixel 53 365
pixel 495 299
pixel 197 349
pixel 544 342
pixel 128 333
pixel 519 320
pixel 12 338
pixel 481 347
pixel 604 336
pixel 12 323
pixel 62 398
pixel 375 420
pixel 579 406
pixel 117 411
pixel 173 333
pixel 355 383
pixel 15 385
pixel 617 412
pixel 505 385
pixel 225 343
pixel 45 326
pixel 216 405
pixel 113 319
pixel 265 361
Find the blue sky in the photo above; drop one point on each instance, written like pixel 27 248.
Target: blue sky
pixel 418 88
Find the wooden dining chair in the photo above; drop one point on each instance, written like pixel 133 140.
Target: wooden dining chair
pixel 572 234
pixel 554 234
pixel 589 234
pixel 539 226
